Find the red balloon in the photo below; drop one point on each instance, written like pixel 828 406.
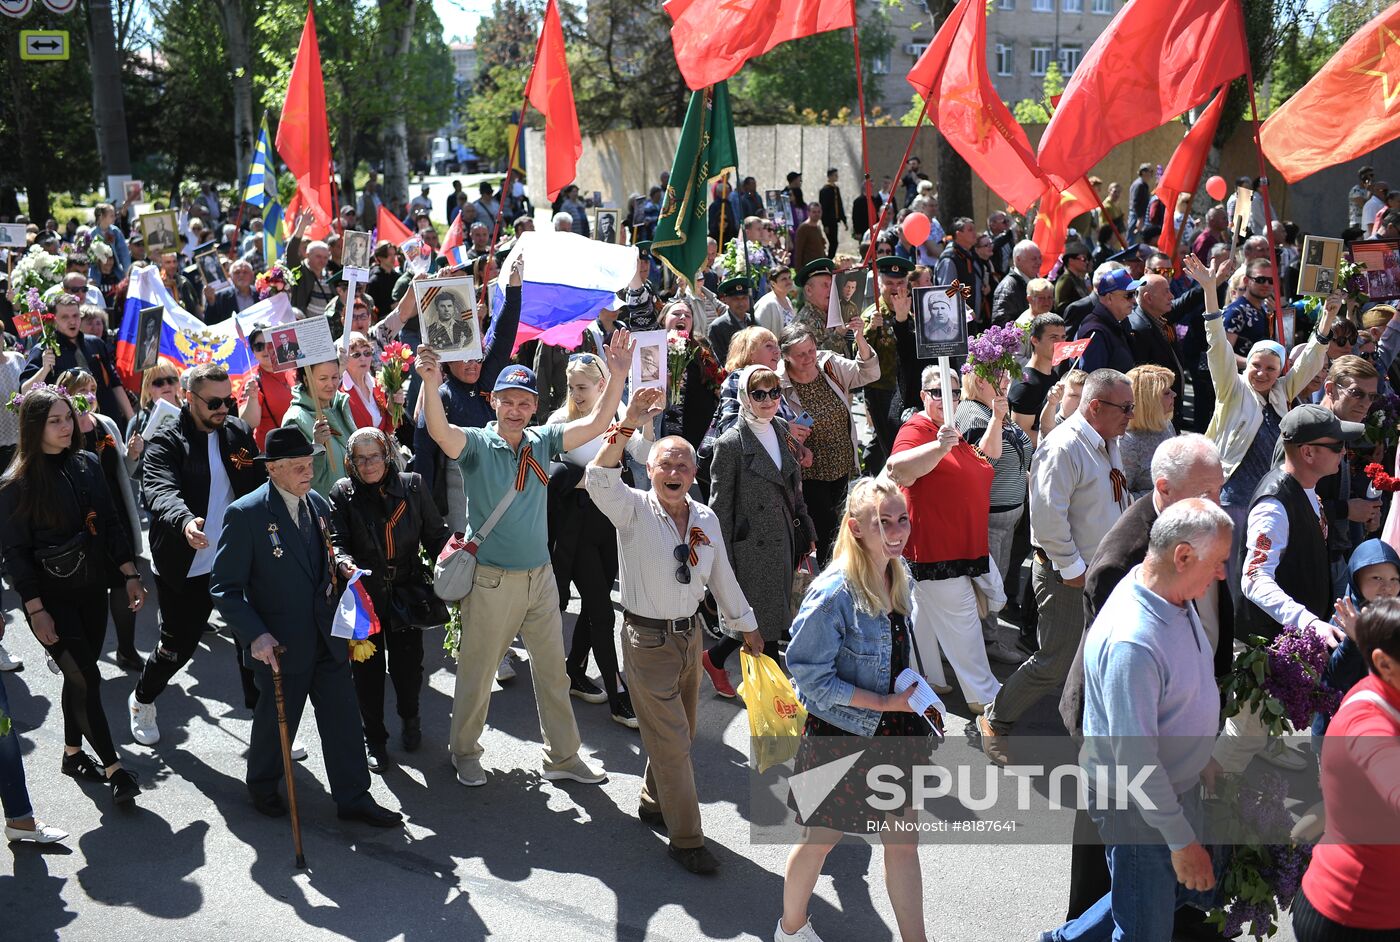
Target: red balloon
pixel 1215 187
pixel 916 228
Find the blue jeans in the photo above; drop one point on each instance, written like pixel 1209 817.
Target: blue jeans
pixel 14 797
pixel 1145 892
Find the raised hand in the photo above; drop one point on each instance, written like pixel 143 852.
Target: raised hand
pixel 619 350
pixel 428 366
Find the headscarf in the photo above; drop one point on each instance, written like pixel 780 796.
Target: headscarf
pixel 1269 346
pixel 746 404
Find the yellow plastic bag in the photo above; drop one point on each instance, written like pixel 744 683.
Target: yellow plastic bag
pixel 776 717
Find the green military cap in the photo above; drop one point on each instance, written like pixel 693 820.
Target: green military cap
pixel 643 248
pixel 893 266
pixel 817 266
pixel 733 286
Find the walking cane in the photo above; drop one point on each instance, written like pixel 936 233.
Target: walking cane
pixel 287 764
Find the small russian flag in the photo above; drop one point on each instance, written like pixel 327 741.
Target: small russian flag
pixel 355 619
pixel 454 249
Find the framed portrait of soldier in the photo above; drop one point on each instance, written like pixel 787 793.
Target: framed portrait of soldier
pixel 649 360
pixel 1382 260
pixel 941 322
pixel 161 231
pixel 447 308
pixel 355 250
pixel 773 203
pixel 606 225
pixel 1317 269
pixel 853 287
pixel 148 325
pixel 211 273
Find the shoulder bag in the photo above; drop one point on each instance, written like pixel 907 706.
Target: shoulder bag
pixel 413 602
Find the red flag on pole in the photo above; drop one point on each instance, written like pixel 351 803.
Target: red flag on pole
pixel 1183 172
pixel 1057 208
pixel 1156 60
pixel 551 92
pixel 714 38
pixel 1348 109
pixel 303 139
pixel 952 74
pixel 391 228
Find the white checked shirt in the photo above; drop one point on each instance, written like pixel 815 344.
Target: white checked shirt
pixel 646 543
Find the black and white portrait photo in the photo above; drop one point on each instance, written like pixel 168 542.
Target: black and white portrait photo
pixel 161 232
pixel 355 249
pixel 448 309
pixel 605 225
pixel 210 271
pixel 942 324
pixel 1326 281
pixel 649 360
pixel 148 336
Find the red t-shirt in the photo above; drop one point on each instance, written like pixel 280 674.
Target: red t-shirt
pixel 275 398
pixel 948 507
pixel 1348 881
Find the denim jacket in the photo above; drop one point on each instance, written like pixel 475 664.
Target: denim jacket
pixel 835 649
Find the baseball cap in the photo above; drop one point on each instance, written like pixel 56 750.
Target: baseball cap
pixel 1118 280
pixel 516 377
pixel 1310 423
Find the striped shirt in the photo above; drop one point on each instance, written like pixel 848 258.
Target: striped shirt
pixel 647 540
pixel 1009 484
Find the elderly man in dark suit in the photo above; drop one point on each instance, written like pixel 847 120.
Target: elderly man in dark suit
pixel 276 571
pixel 1183 467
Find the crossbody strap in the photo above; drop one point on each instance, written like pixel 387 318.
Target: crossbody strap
pixel 522 475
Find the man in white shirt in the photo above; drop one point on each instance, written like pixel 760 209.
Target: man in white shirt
pixel 671 550
pixel 1077 492
pixel 1375 205
pixel 1359 194
pixel 1287 582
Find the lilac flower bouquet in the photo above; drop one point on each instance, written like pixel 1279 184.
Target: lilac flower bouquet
pixel 1261 877
pixel 1282 680
pixel 992 353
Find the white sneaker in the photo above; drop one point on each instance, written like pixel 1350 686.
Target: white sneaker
pixel 805 934
pixel 298 751
pixel 575 770
pixel 8 663
pixel 469 772
pixel 42 834
pixel 1280 754
pixel 143 721
pixel 506 670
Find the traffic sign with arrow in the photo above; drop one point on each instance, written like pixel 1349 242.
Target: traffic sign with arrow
pixel 37 45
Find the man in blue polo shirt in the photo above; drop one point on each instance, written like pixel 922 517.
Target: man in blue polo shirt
pixel 514 589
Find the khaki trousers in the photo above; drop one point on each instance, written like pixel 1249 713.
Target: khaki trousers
pixel 502 603
pixel 663 677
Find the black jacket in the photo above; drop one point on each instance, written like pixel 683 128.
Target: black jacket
pixel 1123 547
pixel 175 484
pixel 1009 300
pixel 1109 346
pixel 370 531
pixel 722 330
pixel 99 363
pixel 1303 571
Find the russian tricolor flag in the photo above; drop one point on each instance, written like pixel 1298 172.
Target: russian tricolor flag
pixel 185 340
pixel 567 280
pixel 455 248
pixel 355 619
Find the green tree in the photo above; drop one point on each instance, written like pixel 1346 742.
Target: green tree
pixel 488 113
pixel 1029 111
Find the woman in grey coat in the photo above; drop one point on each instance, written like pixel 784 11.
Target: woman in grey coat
pixel 756 491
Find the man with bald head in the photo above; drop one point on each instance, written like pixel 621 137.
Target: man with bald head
pixel 670 550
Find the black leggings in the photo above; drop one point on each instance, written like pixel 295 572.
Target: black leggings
pixel 825 501
pixel 1309 925
pixel 404 651
pixel 590 561
pixel 80 620
pixel 123 619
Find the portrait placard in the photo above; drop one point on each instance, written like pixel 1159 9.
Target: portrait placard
pixel 13 234
pixel 941 321
pixel 355 251
pixel 211 273
pixel 1382 260
pixel 605 225
pixel 447 309
pixel 161 232
pixel 148 325
pixel 649 360
pixel 302 343
pixel 1317 269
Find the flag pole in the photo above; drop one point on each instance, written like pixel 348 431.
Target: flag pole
pixel 1264 190
pixel 898 176
pixel 864 149
pixel 515 144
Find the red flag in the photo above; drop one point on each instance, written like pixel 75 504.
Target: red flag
pixel 963 105
pixel 1069 350
pixel 1183 172
pixel 456 238
pixel 303 139
pixel 1156 60
pixel 1057 208
pixel 714 38
pixel 551 91
pixel 391 228
pixel 1348 109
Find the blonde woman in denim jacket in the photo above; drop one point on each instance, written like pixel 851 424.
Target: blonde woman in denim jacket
pixel 850 640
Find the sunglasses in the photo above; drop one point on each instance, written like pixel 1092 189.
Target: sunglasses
pixel 681 554
pixel 770 395
pixel 166 381
pixel 1351 392
pixel 259 346
pixel 215 404
pixel 362 355
pixel 1262 279
pixel 582 358
pixel 1126 407
pixel 1335 447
